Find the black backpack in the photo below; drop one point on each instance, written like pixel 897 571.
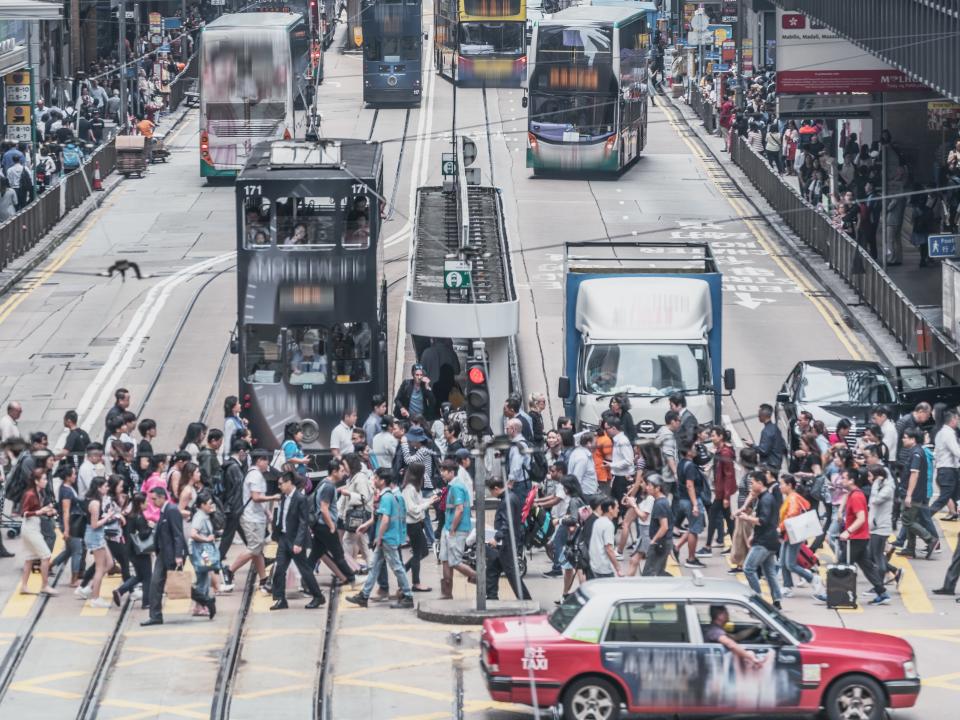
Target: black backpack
pixel 79 516
pixel 16 483
pixel 538 466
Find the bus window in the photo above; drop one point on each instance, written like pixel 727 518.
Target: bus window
pixel 307 350
pixel 256 222
pixel 263 357
pixel 358 225
pixel 351 353
pixel 307 222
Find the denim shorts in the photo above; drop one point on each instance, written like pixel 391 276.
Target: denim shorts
pixel 685 510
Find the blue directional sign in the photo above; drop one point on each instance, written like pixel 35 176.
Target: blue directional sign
pixel 942 246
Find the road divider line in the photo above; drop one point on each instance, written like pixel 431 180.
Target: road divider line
pixel 914 597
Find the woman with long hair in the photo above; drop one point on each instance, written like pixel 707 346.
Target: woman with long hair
pixel 94 537
pixel 232 424
pixel 113 503
pixel 356 498
pixel 293 449
pixel 187 488
pixel 620 407
pixel 69 506
pixel 193 439
pixel 793 505
pixel 137 527
pixel 33 508
pixel 416 508
pixel 204 555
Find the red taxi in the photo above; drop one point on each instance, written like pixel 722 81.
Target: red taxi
pixel 637 645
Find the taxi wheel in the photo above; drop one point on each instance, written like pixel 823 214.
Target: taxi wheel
pixel 591 698
pixel 856 697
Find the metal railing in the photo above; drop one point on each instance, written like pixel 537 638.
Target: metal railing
pixel 925 344
pixel 21 232
pixel 182 82
pixel 703 108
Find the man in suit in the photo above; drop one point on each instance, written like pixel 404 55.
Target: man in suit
pixel 503 549
pixel 291 528
pixel 772 446
pixel 171 549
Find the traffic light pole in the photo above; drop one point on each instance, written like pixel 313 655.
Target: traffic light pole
pixel 480 495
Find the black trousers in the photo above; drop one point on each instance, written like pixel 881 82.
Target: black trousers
pixel 500 561
pixel 860 556
pixel 119 551
pixel 229 532
pixel 328 543
pixel 158 581
pixel 953 571
pixel 285 555
pixel 717 517
pixel 141 574
pixel 418 549
pixel 947 482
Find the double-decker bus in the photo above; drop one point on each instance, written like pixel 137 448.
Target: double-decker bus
pixel 253 80
pixel 481 41
pixel 311 301
pixel 587 93
pixel 392 51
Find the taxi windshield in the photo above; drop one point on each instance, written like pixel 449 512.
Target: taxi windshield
pixel 798 630
pixel 561 618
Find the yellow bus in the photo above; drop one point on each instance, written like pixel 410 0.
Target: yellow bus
pixel 481 42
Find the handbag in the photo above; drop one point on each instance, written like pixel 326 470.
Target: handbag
pixel 144 546
pixel 355 517
pixel 803 526
pixel 205 556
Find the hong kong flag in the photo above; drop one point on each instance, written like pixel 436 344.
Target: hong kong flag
pixel 793 21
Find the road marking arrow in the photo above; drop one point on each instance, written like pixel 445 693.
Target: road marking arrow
pixel 750 302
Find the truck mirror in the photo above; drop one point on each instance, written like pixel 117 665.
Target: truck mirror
pixel 234 345
pixel 523 101
pixel 782 397
pixel 729 379
pixel 563 387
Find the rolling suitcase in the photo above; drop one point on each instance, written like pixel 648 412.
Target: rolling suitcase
pixel 842 584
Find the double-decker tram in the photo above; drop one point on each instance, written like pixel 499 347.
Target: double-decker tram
pixel 392 51
pixel 321 15
pixel 480 42
pixel 311 301
pixel 587 93
pixel 253 85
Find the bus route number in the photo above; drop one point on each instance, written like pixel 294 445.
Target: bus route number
pixel 251 190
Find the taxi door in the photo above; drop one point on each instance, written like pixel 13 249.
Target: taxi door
pixel 730 684
pixel 646 644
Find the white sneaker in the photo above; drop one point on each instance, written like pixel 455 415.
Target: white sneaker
pixel 619 555
pixel 82 592
pixel 99 603
pixel 818 588
pixel 788 592
pixel 226 587
pixel 137 594
pixel 801 583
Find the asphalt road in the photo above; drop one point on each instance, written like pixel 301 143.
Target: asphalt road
pixel 77 335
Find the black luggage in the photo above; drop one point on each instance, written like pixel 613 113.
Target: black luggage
pixel 842 584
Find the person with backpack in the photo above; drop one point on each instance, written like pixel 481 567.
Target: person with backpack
pixel 661 529
pixel 75 446
pixel 254 516
pixel 694 494
pixel 70 157
pixel 72 524
pixel 231 496
pixel 913 489
pixel 503 550
pixel 208 459
pixel 518 459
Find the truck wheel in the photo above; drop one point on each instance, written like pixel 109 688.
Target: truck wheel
pixel 591 698
pixel 856 697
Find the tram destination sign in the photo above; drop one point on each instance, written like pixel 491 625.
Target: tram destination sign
pixel 448 164
pixel 457 275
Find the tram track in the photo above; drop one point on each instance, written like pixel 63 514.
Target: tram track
pixel 106 658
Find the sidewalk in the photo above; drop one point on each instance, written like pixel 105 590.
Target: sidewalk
pixel 21 267
pixel 857 315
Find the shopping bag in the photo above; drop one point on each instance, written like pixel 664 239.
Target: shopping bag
pixel 178 585
pixel 803 527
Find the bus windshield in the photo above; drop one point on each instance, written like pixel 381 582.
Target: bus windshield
pixel 575 44
pixel 480 38
pixel 556 115
pixel 246 68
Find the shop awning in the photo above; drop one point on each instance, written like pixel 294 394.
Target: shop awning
pixel 12 58
pixel 31 10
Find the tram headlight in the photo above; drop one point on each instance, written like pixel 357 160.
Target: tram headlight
pixel 392 81
pixel 311 431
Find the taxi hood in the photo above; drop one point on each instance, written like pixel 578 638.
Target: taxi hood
pixel 518 630
pixel 860 643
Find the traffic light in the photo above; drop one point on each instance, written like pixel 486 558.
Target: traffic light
pixel 478 398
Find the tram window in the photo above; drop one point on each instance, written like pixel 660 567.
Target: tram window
pixel 351 354
pixel 263 354
pixel 358 225
pixel 307 350
pixel 256 221
pixel 307 222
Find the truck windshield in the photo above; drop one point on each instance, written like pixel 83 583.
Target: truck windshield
pixel 647 369
pixel 826 386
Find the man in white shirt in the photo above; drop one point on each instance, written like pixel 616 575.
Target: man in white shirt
pixel 91 467
pixel 946 457
pixel 622 462
pixel 385 442
pixel 341 441
pixel 581 465
pixel 881 416
pixel 518 461
pixel 603 559
pixel 254 518
pixel 9 429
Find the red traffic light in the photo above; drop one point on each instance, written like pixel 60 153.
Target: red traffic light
pixel 477 375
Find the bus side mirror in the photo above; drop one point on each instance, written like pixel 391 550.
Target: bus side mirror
pixel 563 387
pixel 234 345
pixel 523 101
pixel 729 379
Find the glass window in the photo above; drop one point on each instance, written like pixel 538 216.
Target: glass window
pixel 491 8
pixel 306 222
pixel 307 355
pixel 351 353
pixel 647 369
pixel 743 625
pixel 477 38
pixel 647 622
pixel 564 614
pixel 835 386
pixel 357 235
pixel 263 348
pixel 256 221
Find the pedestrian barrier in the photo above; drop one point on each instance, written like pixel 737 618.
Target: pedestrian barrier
pixel 182 82
pixel 852 262
pixel 703 108
pixel 27 227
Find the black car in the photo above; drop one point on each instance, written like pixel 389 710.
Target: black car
pixel 835 389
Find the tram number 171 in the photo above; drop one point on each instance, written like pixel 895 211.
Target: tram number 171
pixel 252 190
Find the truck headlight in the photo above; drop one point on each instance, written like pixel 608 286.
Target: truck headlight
pixel 910 669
